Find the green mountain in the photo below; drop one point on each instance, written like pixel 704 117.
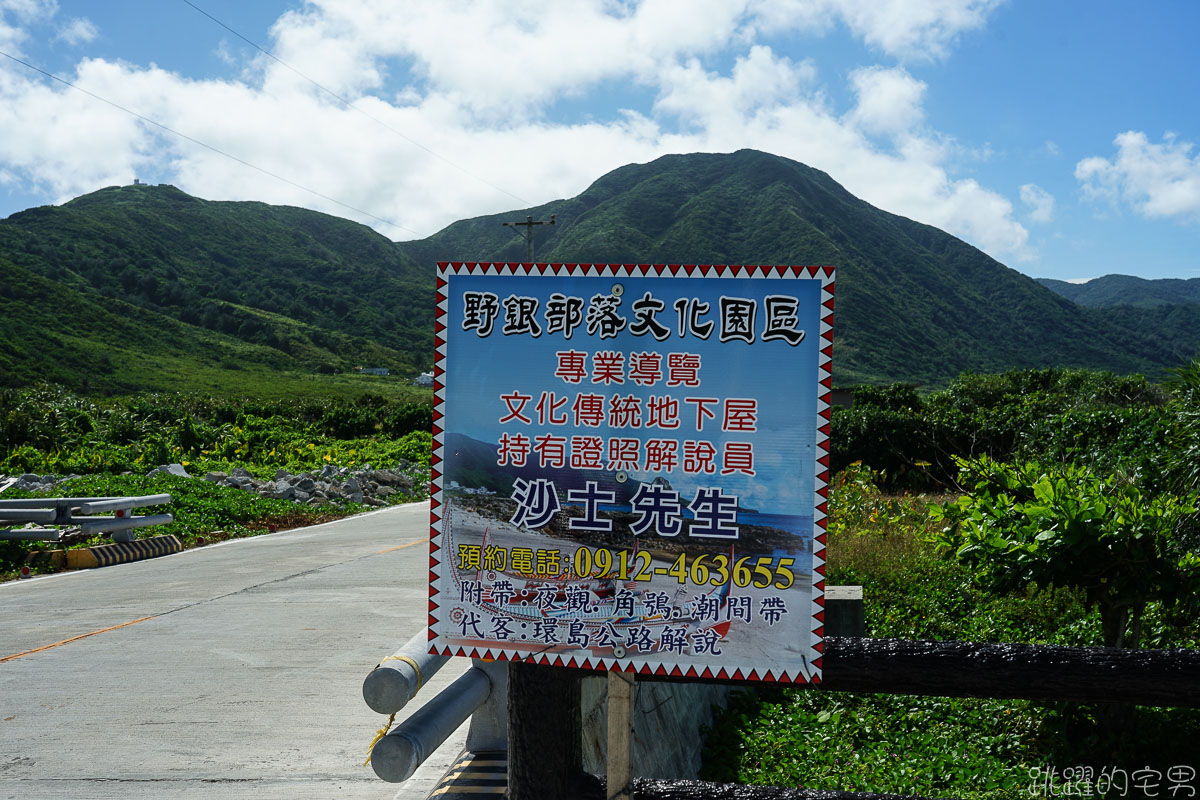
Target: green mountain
pixel 145 287
pixel 913 303
pixel 1126 290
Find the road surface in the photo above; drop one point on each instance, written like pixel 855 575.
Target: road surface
pixel 230 671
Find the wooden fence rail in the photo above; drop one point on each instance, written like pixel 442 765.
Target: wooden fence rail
pixel 851 664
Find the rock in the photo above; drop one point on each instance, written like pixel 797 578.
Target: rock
pixel 32 483
pixel 282 474
pixel 241 472
pixel 384 491
pixel 280 490
pixel 305 484
pixel 216 477
pixel 387 476
pixel 371 501
pixel 299 496
pixel 176 469
pixel 352 484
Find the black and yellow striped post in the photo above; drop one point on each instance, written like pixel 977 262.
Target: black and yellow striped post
pixel 474 775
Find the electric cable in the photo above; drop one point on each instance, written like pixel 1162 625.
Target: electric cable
pixel 207 146
pixel 353 107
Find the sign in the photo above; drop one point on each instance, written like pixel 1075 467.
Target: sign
pixel 630 467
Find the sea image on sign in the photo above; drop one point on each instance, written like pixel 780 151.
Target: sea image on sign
pixel 629 468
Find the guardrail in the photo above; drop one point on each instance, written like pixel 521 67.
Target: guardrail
pixel 542 743
pixel 480 694
pixel 77 512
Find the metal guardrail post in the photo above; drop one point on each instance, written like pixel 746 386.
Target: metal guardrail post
pixel 396 680
pixel 396 756
pixel 62 511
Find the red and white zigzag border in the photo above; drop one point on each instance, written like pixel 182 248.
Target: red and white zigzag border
pixel 821 501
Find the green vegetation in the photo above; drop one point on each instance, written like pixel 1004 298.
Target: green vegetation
pixel 51 430
pixel 1088 537
pixel 936 747
pixel 1063 526
pixel 913 303
pixel 55 431
pixel 1126 290
pixel 140 288
pixel 1098 419
pixel 146 288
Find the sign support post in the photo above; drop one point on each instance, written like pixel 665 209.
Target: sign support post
pixel 620 735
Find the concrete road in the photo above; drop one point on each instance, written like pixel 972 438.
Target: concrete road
pixel 231 671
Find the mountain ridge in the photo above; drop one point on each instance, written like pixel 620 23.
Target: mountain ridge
pixel 913 302
pixel 218 285
pixel 1127 290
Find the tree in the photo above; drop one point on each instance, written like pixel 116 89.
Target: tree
pixel 1185 457
pixel 1062 525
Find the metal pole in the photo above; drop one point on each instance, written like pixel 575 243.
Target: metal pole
pixel 396 756
pixel 396 680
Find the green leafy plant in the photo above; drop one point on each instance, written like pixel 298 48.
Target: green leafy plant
pixel 1061 525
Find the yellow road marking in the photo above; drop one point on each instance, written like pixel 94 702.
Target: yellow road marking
pixel 400 547
pixel 72 639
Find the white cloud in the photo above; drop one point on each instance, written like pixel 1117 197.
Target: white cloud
pixel 78 31
pixel 1157 180
pixel 758 80
pixel 15 14
pixel 1039 201
pixel 477 82
pixel 889 100
pixel 910 29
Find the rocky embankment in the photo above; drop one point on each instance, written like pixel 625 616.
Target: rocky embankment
pixel 372 487
pixel 364 485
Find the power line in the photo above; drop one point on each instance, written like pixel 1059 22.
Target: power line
pixel 216 150
pixel 353 107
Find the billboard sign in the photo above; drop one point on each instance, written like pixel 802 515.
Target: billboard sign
pixel 630 466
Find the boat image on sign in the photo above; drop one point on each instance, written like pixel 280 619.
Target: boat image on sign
pixel 633 599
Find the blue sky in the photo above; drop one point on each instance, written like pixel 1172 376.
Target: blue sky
pixel 1061 138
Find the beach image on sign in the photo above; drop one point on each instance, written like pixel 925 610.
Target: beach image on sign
pixel 630 468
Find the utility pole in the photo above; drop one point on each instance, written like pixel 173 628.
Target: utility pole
pixel 528 234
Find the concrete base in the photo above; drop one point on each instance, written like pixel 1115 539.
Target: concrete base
pixel 117 553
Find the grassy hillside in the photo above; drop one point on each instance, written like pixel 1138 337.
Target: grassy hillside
pixel 1126 290
pixel 145 287
pixel 913 303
